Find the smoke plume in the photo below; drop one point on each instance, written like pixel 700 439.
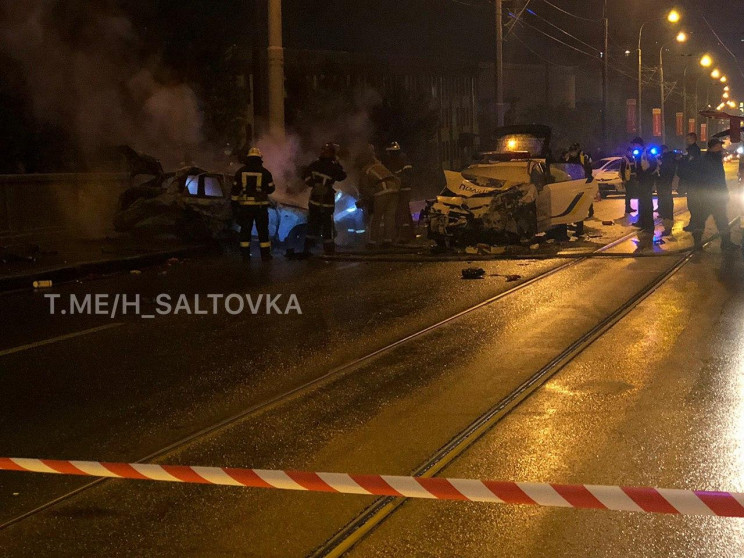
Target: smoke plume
pixel 84 73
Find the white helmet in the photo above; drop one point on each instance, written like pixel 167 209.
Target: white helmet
pixel 255 152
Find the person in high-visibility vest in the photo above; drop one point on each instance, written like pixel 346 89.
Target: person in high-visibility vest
pixel 398 164
pixel 252 186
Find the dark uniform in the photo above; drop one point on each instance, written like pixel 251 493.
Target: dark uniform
pixel 398 164
pixel 667 172
pixel 321 176
pixel 250 200
pixel 689 170
pixel 646 166
pixel 714 197
pixel 630 180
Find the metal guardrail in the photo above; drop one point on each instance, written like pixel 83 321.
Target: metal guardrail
pixel 33 202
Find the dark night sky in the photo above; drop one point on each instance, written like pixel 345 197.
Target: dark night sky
pixel 463 29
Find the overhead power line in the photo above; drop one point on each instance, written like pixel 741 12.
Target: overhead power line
pixel 570 14
pixel 553 25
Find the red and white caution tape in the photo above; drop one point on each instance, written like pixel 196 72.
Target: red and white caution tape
pixel 650 500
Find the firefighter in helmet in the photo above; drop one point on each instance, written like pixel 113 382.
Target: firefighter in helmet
pixel 398 164
pixel 250 200
pixel 320 176
pixel 380 184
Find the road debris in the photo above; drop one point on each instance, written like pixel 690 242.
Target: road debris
pixel 473 273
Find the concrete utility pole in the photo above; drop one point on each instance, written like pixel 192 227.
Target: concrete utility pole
pixel 605 79
pixel 499 62
pixel 276 71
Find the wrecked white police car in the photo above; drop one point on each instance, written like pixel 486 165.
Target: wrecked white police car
pixel 511 193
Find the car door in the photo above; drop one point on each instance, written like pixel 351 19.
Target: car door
pixel 567 198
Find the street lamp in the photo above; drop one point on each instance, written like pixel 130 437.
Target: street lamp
pixel 706 61
pixel 673 17
pixel 680 38
pixel 724 79
pixel 715 74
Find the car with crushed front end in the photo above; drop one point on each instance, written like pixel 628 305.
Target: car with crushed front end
pixel 510 193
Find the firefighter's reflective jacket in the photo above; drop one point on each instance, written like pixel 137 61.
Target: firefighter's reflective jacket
pixel 252 184
pixel 321 176
pixel 377 180
pixel 403 170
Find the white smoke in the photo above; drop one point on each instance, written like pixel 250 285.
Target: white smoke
pixel 82 68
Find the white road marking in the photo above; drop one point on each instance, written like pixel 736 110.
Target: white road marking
pixel 65 337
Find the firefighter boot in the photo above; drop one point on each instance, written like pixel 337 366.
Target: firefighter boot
pixel 266 254
pixel 309 244
pixel 245 251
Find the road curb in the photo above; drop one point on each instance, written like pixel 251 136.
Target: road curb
pixel 72 271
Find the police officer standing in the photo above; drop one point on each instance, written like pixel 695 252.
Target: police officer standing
pixel 667 172
pixel 714 197
pixel 689 170
pixel 576 156
pixel 646 166
pixel 250 200
pixel 398 164
pixel 320 176
pixel 629 173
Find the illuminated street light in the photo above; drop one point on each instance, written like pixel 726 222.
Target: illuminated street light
pixel 724 79
pixel 681 37
pixel 731 104
pixel 721 106
pixel 715 74
pixel 706 61
pixel 727 88
pixel 673 17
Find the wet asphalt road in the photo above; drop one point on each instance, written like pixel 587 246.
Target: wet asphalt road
pixel 124 392
pixel 656 403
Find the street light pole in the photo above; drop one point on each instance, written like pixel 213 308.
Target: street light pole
pixel 681 38
pixel 276 71
pixel 605 79
pixel 640 81
pixel 673 17
pixel 661 79
pixel 499 62
pixel 684 98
